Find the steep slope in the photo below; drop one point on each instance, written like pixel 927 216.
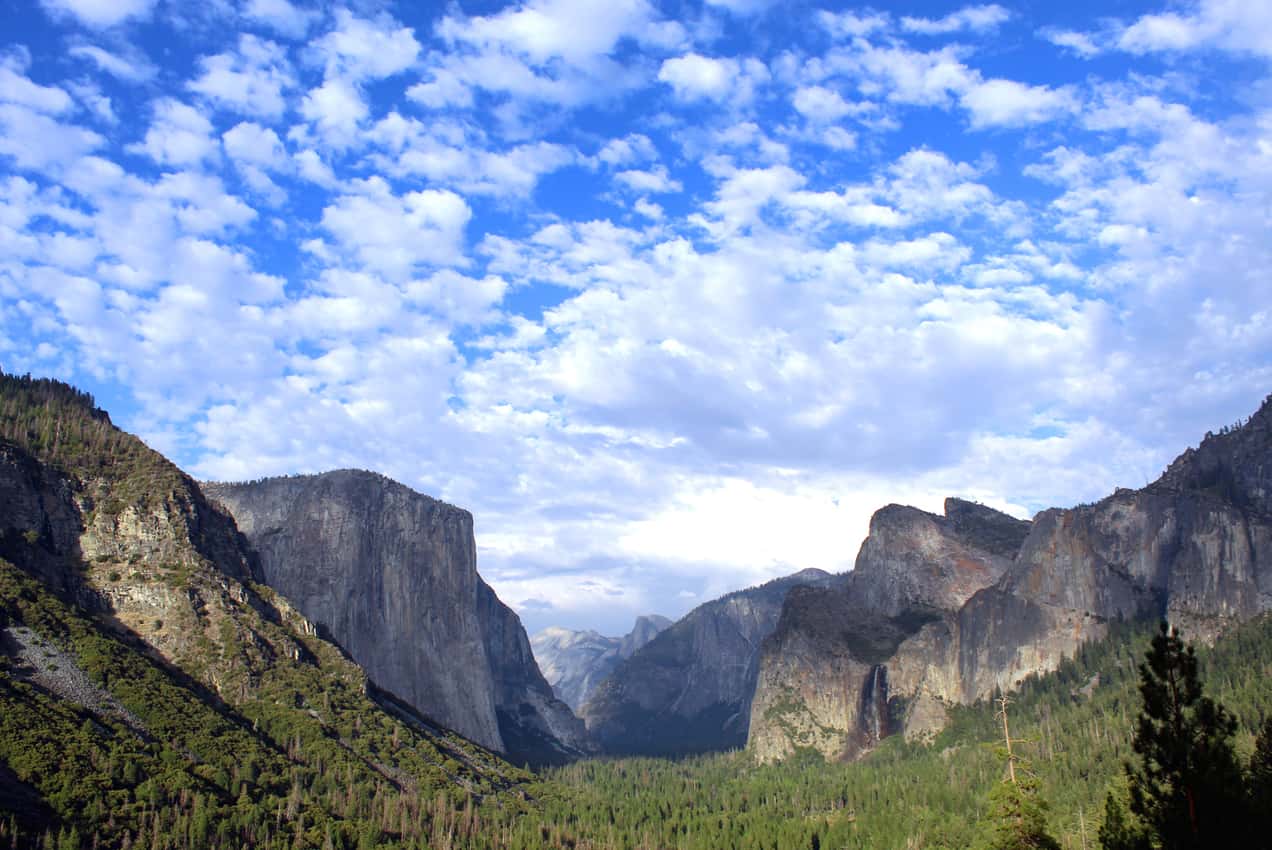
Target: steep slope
pixel 1195 546
pixel 689 689
pixel 575 663
pixel 391 575
pixel 148 686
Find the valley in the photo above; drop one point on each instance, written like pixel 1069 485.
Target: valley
pixel 315 661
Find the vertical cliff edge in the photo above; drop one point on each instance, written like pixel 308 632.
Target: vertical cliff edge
pixel 391 575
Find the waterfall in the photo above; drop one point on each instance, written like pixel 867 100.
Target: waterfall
pixel 872 721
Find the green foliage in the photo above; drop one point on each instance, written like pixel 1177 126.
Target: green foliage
pixel 1017 818
pixel 1187 786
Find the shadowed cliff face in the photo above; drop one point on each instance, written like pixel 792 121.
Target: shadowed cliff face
pixel 1002 599
pixel 689 689
pixel 536 727
pixel 391 574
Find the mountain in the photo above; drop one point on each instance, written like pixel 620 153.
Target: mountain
pixel 150 685
pixel 574 662
pixel 689 689
pixel 391 575
pixel 940 611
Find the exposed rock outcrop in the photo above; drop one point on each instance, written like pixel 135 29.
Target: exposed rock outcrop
pixel 576 662
pixel 958 607
pixel 391 575
pixel 689 689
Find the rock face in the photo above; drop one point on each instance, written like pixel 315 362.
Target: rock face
pixel 391 575
pixel 952 608
pixel 575 663
pixel 689 689
pixel 536 727
pixel 829 678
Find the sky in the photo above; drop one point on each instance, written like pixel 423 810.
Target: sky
pixel 671 295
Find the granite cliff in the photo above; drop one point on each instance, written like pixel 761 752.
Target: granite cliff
pixel 132 614
pixel 689 689
pixel 391 575
pixel 576 662
pixel 943 610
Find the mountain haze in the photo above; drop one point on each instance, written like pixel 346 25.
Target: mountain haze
pixel 576 662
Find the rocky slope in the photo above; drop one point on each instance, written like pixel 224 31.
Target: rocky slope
pixel 575 662
pixel 938 612
pixel 133 623
pixel 391 575
pixel 689 689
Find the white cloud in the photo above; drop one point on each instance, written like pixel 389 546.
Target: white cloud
pixel 1007 103
pixel 1244 27
pixel 133 69
pixel 336 108
pixel 250 81
pixel 251 143
pixel 1083 44
pixel 977 19
pixel 282 16
pixel 16 88
pixel 178 135
pixel 821 104
pixel 630 149
pixel 393 235
pixel 649 181
pixel 100 13
pixel 38 142
pixel 358 48
pixel 697 77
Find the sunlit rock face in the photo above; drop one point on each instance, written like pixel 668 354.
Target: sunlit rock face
pixel 844 658
pixel 391 574
pixel 576 662
pixel 954 607
pixel 689 690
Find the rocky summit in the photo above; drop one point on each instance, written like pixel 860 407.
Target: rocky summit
pixel 576 662
pixel 391 575
pixel 943 610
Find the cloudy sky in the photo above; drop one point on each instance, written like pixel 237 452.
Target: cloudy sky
pixel 671 296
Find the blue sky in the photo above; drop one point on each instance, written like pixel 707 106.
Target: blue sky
pixel 671 295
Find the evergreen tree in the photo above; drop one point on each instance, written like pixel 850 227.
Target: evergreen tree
pixel 1017 818
pixel 1260 781
pixel 1120 831
pixel 1187 788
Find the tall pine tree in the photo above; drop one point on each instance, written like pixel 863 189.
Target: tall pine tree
pixel 1187 788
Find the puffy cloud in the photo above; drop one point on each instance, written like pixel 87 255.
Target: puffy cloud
pixel 358 48
pixel 1007 103
pixel 697 77
pixel 16 88
pixel 282 16
pixel 820 104
pixel 1227 24
pixel 250 81
pixel 395 234
pixel 179 135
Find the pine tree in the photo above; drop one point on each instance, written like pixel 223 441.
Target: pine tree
pixel 1017 817
pixel 1260 781
pixel 1120 831
pixel 1187 788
